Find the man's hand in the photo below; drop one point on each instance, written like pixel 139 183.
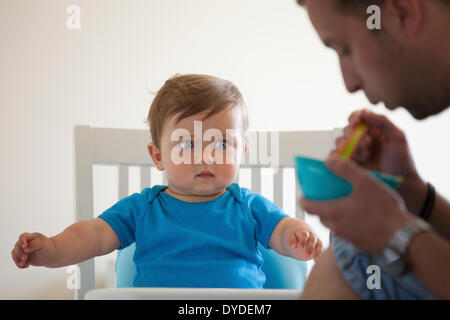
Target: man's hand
pixel 369 216
pixel 305 244
pixel 385 148
pixel 32 249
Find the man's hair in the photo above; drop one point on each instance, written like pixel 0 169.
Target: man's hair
pixel 352 5
pixel 186 95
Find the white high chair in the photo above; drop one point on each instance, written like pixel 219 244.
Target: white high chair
pixel 128 147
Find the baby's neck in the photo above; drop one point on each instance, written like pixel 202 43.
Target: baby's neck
pixel 192 197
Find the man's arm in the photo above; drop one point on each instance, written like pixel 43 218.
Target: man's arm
pixel 414 193
pixel 440 216
pixel 326 281
pixel 428 257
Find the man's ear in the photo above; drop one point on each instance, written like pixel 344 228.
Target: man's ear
pixel 155 153
pixel 406 16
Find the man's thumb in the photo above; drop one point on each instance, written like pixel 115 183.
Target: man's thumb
pixel 382 123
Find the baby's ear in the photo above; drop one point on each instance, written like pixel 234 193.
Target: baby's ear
pixel 155 154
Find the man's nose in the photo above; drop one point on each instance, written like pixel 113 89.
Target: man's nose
pixel 352 80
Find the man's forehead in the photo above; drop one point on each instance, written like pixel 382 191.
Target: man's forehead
pixel 322 17
pixel 332 26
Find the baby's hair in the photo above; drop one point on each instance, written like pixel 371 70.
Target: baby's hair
pixel 186 95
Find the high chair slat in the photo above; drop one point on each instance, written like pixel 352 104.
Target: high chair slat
pixel 123 181
pixel 278 187
pixel 145 177
pixel 299 212
pixel 84 198
pixel 256 180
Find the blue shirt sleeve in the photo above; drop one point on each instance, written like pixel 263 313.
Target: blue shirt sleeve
pixel 266 214
pixel 123 217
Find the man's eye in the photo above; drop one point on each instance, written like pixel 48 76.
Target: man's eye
pixel 186 145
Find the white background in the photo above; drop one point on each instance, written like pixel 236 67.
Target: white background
pixel 52 78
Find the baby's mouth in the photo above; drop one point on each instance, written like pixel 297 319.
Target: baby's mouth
pixel 205 175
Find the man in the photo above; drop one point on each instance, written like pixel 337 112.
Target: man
pixel 406 63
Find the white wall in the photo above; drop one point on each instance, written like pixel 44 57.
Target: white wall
pixel 52 78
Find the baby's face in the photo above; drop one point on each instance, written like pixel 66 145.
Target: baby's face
pixel 202 157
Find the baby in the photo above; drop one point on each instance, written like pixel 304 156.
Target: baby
pixel 202 229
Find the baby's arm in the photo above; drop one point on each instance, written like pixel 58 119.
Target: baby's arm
pixel 79 242
pixel 295 238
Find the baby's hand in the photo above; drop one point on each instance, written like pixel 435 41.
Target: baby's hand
pixel 305 244
pixel 32 249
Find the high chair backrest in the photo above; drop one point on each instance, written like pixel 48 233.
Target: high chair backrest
pixel 128 147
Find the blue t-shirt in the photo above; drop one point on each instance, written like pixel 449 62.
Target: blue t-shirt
pixel 211 244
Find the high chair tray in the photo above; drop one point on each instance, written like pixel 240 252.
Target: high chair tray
pixel 191 294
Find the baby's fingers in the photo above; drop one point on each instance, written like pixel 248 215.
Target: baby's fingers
pixel 310 245
pixel 298 239
pixel 293 242
pixel 23 247
pixel 25 238
pixel 318 250
pixel 302 237
pixel 19 257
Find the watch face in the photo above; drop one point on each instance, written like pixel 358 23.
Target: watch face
pixel 399 243
pixel 393 253
pixel 396 268
pixel 390 255
pixel 393 262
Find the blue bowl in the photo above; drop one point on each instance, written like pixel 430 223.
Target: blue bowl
pixel 319 183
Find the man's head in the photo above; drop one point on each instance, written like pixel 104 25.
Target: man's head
pixel 406 63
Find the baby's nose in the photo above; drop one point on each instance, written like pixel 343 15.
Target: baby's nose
pixel 208 155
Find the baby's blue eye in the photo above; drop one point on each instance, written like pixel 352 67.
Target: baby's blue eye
pixel 186 144
pixel 221 144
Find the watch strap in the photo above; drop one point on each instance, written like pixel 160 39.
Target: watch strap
pixel 429 202
pixel 395 251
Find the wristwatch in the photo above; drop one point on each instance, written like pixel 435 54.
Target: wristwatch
pixel 394 252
